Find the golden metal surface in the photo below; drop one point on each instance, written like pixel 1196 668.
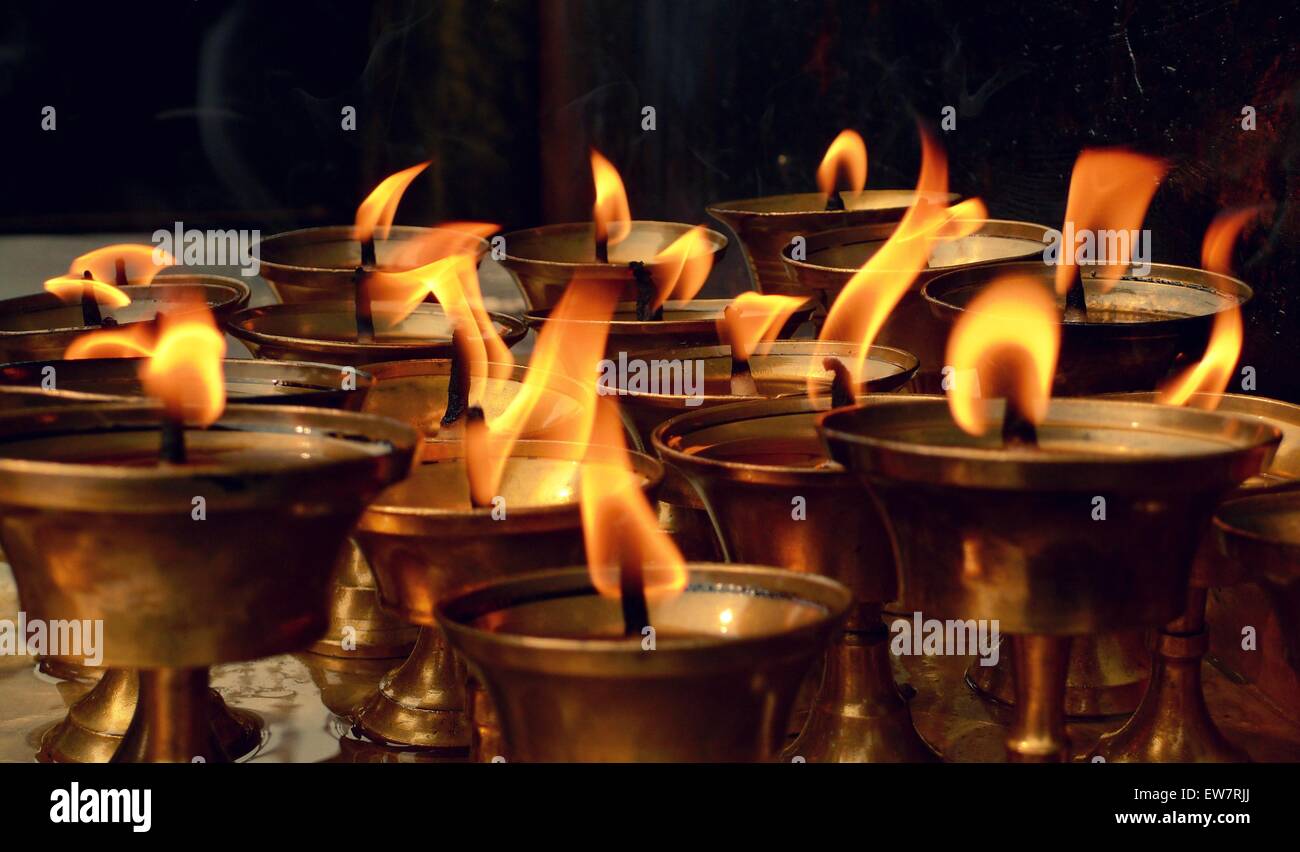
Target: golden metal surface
pixel 317 264
pixel 765 226
pixel 294 696
pixel 97 531
pixel 97 722
pixel 544 260
pixel 1106 676
pixel 246 381
pixel 832 257
pixel 41 326
pixel 775 498
pixel 689 324
pixel 423 540
pixel 1009 535
pixel 327 332
pixel 1135 333
pixel 730 652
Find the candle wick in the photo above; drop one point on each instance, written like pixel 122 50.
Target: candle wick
pixel 476 450
pixel 842 390
pixel 119 272
pixel 90 314
pixel 171 446
pixel 1076 303
pixel 363 311
pixel 631 586
pixel 742 379
pixel 457 381
pixel 645 293
pixel 602 249
pixel 1017 431
pixel 833 201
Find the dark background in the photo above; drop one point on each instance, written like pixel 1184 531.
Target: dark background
pixel 228 114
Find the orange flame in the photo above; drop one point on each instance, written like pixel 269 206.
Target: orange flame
pixel 752 321
pixel 568 348
pixel 375 215
pixel 72 290
pixel 1110 189
pixel 453 281
pixel 1221 237
pixel 441 241
pixel 1010 336
pixel 846 156
pixel 611 214
pixel 132 341
pixel 139 264
pixel 184 368
pixel 680 270
pixel 1212 373
pixel 619 527
pixel 866 301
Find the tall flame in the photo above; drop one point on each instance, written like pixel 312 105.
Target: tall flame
pixel 1009 337
pixel 453 281
pixel 845 157
pixel 611 214
pixel 375 215
pixel 866 301
pixel 619 527
pixel 752 321
pixel 568 351
pixel 1221 237
pixel 184 368
pixel 680 270
pixel 1212 373
pixel 1110 190
pixel 441 241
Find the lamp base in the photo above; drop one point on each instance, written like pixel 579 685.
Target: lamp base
pixel 858 715
pixel 421 703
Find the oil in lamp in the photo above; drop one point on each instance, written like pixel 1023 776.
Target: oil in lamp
pixel 629 256
pixel 332 263
pixel 766 226
pixel 1082 516
pixel 1173 724
pixel 195 535
pixel 642 657
pixel 116 286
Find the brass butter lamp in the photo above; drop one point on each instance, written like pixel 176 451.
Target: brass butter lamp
pixel 1173 724
pixel 42 326
pixel 96 528
pixel 775 498
pixel 1007 533
pixel 730 653
pixel 423 539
